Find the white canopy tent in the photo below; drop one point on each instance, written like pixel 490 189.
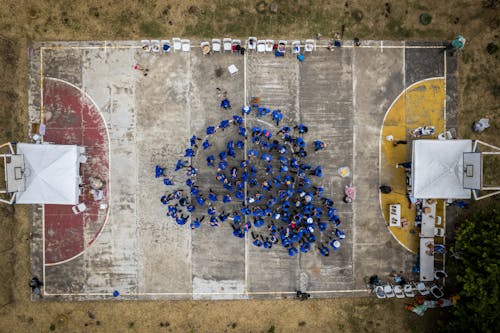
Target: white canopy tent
pixel 51 172
pixel 438 169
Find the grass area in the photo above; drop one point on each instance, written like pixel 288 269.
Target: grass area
pixel 22 22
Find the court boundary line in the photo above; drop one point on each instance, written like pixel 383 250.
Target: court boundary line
pixel 105 47
pixel 216 293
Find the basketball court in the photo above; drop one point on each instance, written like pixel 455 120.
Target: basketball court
pixel 89 94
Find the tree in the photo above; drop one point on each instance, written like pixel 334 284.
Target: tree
pixel 477 244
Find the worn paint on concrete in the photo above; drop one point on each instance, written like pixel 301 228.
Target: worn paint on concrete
pixel 343 96
pixel 421 104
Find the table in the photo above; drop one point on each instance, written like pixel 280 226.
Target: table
pixel 428 220
pixel 395 215
pixel 426 259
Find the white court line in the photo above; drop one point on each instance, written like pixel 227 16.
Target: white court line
pixel 43 206
pixel 445 69
pixel 104 46
pixel 109 157
pixel 354 173
pixel 218 293
pixel 245 157
pixel 190 110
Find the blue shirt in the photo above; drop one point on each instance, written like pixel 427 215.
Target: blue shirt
pixel 210 130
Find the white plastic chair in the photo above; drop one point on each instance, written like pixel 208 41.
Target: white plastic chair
pixel 399 291
pixel 155 45
pixel 379 292
pixel 205 46
pixel 177 44
pixel 252 43
pixel 269 45
pixel 80 208
pixel 439 221
pixel 309 45
pixel 216 45
pixel 146 45
pixel 165 46
pixel 422 289
pixel 282 45
pixel 186 45
pixel 389 293
pixel 261 46
pixel 439 274
pixel 436 292
pixel 408 290
pixel 235 42
pixel 438 232
pixel 295 47
pixel 445 136
pixel 227 43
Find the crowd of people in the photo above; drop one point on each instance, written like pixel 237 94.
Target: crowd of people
pixel 264 186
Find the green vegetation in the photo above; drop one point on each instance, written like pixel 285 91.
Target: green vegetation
pixel 425 19
pixel 492 48
pixel 478 273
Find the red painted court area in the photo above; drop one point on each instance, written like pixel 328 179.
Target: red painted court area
pixel 73 119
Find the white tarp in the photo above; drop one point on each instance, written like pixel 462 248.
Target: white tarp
pixel 51 173
pixel 437 169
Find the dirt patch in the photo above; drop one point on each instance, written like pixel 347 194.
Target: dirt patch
pixel 77 20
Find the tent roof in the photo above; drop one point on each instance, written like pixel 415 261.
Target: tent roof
pixel 437 169
pixel 51 173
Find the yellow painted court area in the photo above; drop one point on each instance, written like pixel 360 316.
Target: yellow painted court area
pixel 421 104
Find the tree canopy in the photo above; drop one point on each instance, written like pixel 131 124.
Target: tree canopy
pixel 477 245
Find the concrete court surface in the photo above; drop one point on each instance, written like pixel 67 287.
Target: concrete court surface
pixel 341 95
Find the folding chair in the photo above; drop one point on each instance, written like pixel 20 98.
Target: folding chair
pixel 177 44
pixel 252 43
pixel 295 47
pixel 399 291
pixel 389 293
pixel 227 43
pixel 80 208
pixel 408 290
pixel 309 45
pixel 261 46
pixel 269 45
pixel 155 45
pixel 146 45
pixel 165 46
pixel 216 45
pixel 186 45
